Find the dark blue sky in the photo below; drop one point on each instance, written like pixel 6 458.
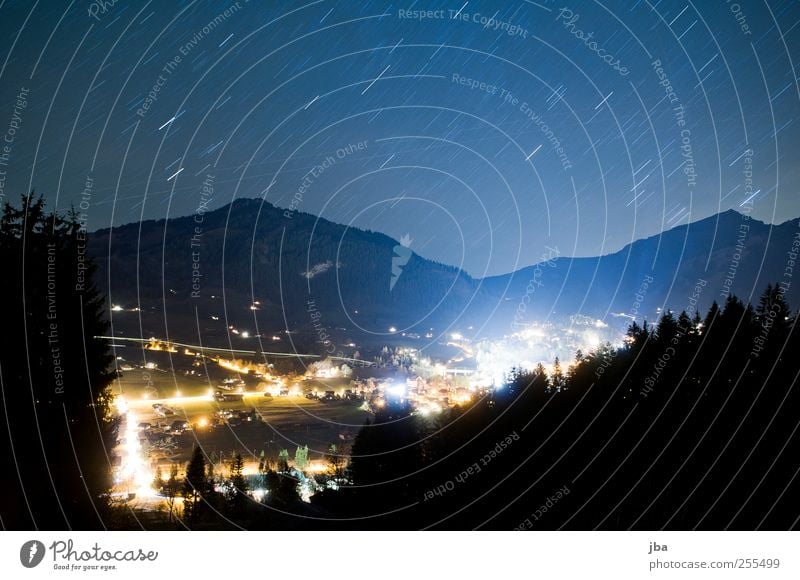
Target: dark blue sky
pixel 489 131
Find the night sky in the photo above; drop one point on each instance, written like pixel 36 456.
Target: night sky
pixel 485 131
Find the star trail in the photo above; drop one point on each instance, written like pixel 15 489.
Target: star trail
pixel 490 129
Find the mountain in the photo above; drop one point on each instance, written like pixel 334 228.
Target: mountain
pixel 307 274
pixel 684 268
pixel 249 266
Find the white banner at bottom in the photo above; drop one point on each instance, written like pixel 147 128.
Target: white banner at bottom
pixel 400 555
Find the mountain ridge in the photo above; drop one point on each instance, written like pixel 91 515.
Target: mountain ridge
pixel 248 251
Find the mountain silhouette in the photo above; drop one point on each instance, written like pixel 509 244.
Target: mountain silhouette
pixel 686 267
pixel 248 266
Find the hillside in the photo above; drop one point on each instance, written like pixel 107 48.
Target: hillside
pixel 318 278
